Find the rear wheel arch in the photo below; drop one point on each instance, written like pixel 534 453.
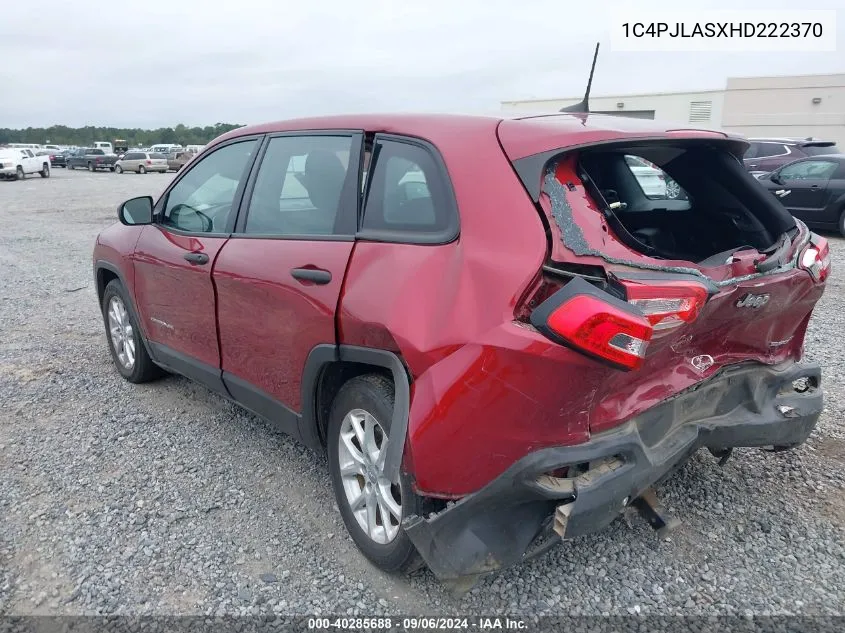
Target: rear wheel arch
pixel 328 368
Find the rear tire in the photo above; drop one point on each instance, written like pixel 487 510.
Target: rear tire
pixel 19 173
pixel 126 343
pixel 45 172
pixel 91 167
pixel 141 169
pixel 369 400
pixel 842 223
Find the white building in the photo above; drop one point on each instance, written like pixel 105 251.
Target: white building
pixel 796 106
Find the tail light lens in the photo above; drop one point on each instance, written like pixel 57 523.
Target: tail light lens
pixel 149 162
pixel 595 323
pixel 667 305
pixel 815 258
pixel 98 160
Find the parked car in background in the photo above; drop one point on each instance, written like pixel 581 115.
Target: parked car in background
pixel 17 163
pixel 107 147
pixel 165 148
pixel 812 190
pixel 491 369
pixel 768 154
pixel 177 160
pixel 90 158
pixel 650 178
pixel 142 162
pixel 58 158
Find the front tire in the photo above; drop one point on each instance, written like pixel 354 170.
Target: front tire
pixel 842 223
pixel 124 336
pixel 119 169
pixel 371 507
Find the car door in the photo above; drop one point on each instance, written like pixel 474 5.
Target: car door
pixel 802 188
pixel 31 162
pixel 280 276
pixel 174 257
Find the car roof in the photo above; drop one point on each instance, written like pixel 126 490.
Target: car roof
pixel 521 134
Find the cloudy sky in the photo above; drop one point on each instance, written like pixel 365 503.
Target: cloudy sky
pixel 154 62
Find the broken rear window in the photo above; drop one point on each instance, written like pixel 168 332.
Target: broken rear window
pixel 679 199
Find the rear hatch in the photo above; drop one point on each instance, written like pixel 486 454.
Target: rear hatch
pixel 709 273
pixel 157 160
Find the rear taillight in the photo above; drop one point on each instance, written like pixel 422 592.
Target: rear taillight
pixel 667 304
pixel 815 258
pixel 98 160
pixel 149 162
pixel 591 321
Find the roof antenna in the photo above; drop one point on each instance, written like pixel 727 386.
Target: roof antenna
pixel 584 106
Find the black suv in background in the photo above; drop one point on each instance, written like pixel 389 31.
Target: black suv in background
pixel 767 154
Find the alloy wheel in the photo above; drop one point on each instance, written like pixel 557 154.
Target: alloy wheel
pixel 673 190
pixel 376 503
pixel 121 333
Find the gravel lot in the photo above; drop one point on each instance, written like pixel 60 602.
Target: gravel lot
pixel 165 499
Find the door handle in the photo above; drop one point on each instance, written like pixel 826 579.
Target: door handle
pixel 314 275
pixel 196 258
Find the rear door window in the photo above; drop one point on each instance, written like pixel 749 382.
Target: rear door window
pixel 299 190
pixel 771 149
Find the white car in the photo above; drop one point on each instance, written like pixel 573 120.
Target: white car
pixel 17 163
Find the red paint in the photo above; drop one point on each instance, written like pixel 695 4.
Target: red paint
pixel 269 321
pixel 175 298
pixel 486 387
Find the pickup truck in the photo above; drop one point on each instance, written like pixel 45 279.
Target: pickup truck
pixel 91 159
pixel 16 163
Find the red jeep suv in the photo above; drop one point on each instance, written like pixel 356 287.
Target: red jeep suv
pixel 498 337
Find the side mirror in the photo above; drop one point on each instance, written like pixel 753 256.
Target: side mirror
pixel 775 178
pixel 136 211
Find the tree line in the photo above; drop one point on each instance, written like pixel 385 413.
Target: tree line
pixel 135 137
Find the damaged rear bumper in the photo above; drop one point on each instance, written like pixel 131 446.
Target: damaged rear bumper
pixel 742 405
